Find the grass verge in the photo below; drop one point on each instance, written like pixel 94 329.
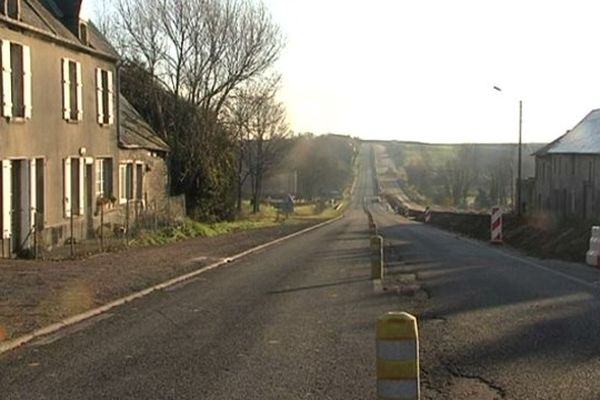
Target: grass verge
pixel 268 216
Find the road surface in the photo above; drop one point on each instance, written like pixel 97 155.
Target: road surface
pixel 296 321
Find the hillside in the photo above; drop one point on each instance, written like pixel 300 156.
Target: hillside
pixel 472 176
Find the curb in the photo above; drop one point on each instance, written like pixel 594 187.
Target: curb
pixel 75 319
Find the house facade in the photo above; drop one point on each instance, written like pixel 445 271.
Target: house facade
pixel 567 173
pixel 60 146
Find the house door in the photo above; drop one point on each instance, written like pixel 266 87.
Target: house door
pixel 20 205
pixel 89 200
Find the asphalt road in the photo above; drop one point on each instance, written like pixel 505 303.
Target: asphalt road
pixel 497 324
pixel 296 321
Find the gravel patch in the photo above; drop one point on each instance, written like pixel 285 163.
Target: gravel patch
pixel 34 294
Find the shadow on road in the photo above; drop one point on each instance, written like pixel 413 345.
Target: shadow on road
pixel 320 286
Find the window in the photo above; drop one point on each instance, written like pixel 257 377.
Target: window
pixel 104 177
pixel 125 182
pixel 12 8
pixel 83 33
pixel 16 80
pixel 72 90
pixel 104 96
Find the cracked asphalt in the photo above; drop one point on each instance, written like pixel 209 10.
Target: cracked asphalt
pixel 497 324
pixel 296 321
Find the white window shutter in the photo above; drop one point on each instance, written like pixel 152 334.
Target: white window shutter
pixel 99 177
pixel 6 199
pixel 99 96
pixel 33 190
pixel 67 186
pixel 111 113
pixel 27 81
pixel 66 90
pixel 79 93
pixel 6 80
pixel 122 183
pixel 82 163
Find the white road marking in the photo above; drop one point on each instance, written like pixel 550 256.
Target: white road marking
pixel 589 285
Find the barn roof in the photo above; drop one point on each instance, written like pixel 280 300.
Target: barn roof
pixel 584 138
pixel 135 131
pixel 48 17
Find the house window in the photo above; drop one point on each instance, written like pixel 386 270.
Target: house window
pixel 125 182
pixel 104 177
pixel 72 90
pixel 12 8
pixel 16 80
pixel 83 33
pixel 104 96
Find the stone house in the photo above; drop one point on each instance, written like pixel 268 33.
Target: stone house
pixel 567 173
pixel 63 150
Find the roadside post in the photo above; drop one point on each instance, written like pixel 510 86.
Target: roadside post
pixel 376 257
pixel 372 225
pixel 592 257
pixel 496 225
pixel 398 357
pixel 427 215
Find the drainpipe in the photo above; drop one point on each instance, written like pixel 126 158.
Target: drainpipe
pixel 118 101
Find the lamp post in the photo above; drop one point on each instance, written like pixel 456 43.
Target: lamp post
pixel 520 156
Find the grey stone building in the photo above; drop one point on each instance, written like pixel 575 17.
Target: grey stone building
pixel 567 174
pixel 63 150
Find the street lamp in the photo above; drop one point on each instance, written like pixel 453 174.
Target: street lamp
pixel 520 156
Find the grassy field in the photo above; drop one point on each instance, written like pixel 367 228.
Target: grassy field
pixel 427 171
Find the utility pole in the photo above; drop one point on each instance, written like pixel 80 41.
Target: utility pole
pixel 520 160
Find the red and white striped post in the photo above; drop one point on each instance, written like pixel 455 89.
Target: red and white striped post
pixel 496 225
pixel 427 215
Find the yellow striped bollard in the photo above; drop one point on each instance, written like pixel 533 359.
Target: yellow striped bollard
pixel 376 257
pixel 398 357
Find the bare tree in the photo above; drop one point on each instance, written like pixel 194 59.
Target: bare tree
pixel 460 173
pixel 499 179
pixel 201 49
pixel 200 52
pixel 263 131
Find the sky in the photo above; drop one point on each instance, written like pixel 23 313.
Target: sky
pixel 424 70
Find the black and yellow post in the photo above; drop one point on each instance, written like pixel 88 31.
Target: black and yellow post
pixel 376 257
pixel 398 357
